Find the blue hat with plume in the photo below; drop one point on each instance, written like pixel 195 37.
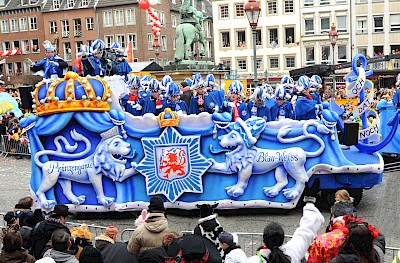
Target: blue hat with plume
pixel 315 82
pixel 145 82
pixel 303 83
pixel 173 89
pixel 164 82
pixel 236 87
pixel 154 85
pixel 258 94
pixel 98 46
pixel 210 81
pixel 48 46
pixel 133 82
pixel 281 93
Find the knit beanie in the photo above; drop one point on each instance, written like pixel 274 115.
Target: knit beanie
pixel 156 204
pixel 90 254
pixel 111 230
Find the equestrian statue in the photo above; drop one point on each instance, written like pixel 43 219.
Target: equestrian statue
pixel 189 32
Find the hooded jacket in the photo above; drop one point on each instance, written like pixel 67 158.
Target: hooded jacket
pixel 60 257
pixel 150 234
pixel 18 256
pixel 103 241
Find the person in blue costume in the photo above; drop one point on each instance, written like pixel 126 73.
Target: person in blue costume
pixel 163 84
pixel 144 86
pixel 52 65
pixel 396 97
pixel 153 103
pixel 305 105
pixel 93 64
pixel 315 87
pixel 283 108
pixel 173 100
pixel 288 83
pixel 232 103
pixel 132 102
pixel 215 97
pixel 257 106
pixel 197 101
pixel 120 66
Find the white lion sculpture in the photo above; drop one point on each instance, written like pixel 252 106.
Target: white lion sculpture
pixel 107 160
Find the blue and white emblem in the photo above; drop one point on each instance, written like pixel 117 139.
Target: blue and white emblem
pixel 173 164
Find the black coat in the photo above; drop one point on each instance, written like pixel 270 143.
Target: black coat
pixel 345 258
pixel 118 253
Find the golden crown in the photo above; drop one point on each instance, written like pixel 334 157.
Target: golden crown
pixel 71 93
pixel 168 118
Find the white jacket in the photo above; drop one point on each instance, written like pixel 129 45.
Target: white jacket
pixel 297 247
pixel 236 256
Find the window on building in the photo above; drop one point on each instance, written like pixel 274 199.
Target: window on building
pixel 67 51
pixel 35 45
pixel 164 43
pixel 173 20
pixel 70 3
pixel 53 27
pixel 342 53
pixel 210 49
pixel 341 22
pixel 16 44
pixel 290 62
pixel 13 25
pixel 273 36
pixel 56 4
pixel 226 41
pixel 23 24
pixel 130 16
pixel 310 56
pixel 258 37
pixel 150 41
pixel 239 10
pixel 339 2
pixel 309 26
pixel 289 35
pixel 84 3
pixel 395 22
pixel 133 38
pixel 24 2
pixel 241 38
pixel 65 28
pixel 4 26
pixel 26 47
pixel 121 41
pixel 308 2
pixel 224 11
pixel 162 18
pixel 18 68
pixel 242 64
pixel 119 17
pixel 77 27
pixel 272 10
pixel 274 62
pixel 89 23
pixel 33 23
pixel 325 25
pixel 362 50
pixel 324 2
pixel 378 24
pixel 78 45
pixel 108 40
pixel 9 71
pixel 289 6
pixel 361 25
pixel 7 45
pixel 107 19
pixel 326 55
pixel 378 51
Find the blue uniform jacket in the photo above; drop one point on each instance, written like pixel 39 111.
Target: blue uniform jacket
pixel 120 68
pixel 242 107
pixel 129 102
pixel 285 110
pixel 305 109
pixel 175 106
pixel 260 111
pixel 93 66
pixel 151 105
pixel 48 69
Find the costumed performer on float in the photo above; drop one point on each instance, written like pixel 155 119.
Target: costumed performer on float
pixel 52 66
pixel 78 65
pixel 305 105
pixel 233 104
pixel 93 63
pixel 132 102
pixel 315 87
pixel 197 101
pixel 120 66
pixel 396 97
pixel 283 108
pixel 173 100
pixel 153 103
pixel 216 97
pixel 257 105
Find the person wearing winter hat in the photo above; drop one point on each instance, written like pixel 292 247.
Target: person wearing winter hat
pixel 152 232
pixel 12 250
pixel 61 242
pixel 91 255
pixel 107 239
pixel 232 251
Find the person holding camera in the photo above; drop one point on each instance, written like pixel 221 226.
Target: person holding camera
pixel 93 64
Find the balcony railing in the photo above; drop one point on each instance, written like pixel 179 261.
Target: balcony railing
pixel 78 33
pixel 65 34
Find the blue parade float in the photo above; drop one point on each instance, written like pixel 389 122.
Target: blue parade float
pixel 91 155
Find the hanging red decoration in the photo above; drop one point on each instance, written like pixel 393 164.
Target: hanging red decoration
pixel 144 4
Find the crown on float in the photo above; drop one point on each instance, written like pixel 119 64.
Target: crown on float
pixel 168 118
pixel 72 93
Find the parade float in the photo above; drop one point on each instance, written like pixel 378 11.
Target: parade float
pixel 91 155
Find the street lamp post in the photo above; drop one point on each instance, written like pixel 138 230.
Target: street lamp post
pixel 253 9
pixel 333 36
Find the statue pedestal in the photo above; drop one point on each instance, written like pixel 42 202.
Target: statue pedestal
pixel 190 64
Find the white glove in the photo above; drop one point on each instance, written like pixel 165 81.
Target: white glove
pixel 54 64
pixel 231 104
pixel 216 109
pixel 137 106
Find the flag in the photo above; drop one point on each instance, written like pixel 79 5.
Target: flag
pixel 129 52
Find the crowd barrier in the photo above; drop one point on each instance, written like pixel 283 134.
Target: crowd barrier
pixel 249 242
pixel 14 147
